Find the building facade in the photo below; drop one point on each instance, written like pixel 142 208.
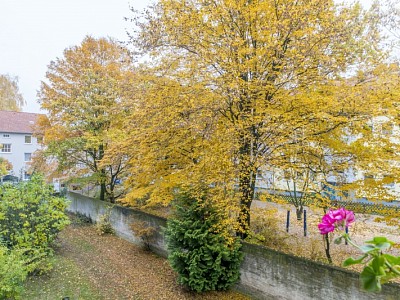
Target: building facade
pixel 275 180
pixel 17 143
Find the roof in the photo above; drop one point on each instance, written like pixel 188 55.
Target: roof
pixel 17 122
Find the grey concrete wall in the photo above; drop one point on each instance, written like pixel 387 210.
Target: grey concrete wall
pixel 265 273
pixel 270 274
pixel 121 219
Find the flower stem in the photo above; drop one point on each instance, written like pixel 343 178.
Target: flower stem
pixel 348 239
pixel 392 268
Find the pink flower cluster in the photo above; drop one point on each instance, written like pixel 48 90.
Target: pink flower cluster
pixel 339 218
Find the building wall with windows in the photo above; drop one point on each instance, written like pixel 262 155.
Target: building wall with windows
pixel 17 143
pixel 275 180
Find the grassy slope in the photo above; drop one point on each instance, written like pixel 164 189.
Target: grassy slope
pixel 89 266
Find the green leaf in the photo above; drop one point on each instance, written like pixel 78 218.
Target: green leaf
pixel 368 248
pixel 338 240
pixel 369 280
pixel 381 243
pixel 379 240
pixel 393 260
pixel 351 261
pixel 383 246
pixel 377 263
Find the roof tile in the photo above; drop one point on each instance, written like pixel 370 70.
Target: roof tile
pixel 17 122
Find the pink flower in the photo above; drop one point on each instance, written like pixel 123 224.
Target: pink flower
pixel 326 225
pixel 339 218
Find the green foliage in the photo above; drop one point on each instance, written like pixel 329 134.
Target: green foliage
pixel 30 219
pixel 13 272
pixel 30 216
pixel 379 267
pixel 202 257
pixel 79 219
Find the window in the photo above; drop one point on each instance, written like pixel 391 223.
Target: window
pixel 6 148
pixel 27 156
pixel 6 136
pixel 28 139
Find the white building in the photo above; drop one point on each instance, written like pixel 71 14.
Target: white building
pixel 17 144
pixel 275 180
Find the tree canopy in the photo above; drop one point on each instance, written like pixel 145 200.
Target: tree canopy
pixel 236 86
pixel 82 95
pixel 5 166
pixel 10 97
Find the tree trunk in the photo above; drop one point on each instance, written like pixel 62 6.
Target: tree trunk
pixel 103 176
pixel 111 193
pixel 299 212
pixel 246 197
pixel 102 191
pixel 247 180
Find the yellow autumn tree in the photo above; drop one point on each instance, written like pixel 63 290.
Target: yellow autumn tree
pixel 334 164
pixel 82 95
pixel 5 166
pixel 10 97
pixel 235 85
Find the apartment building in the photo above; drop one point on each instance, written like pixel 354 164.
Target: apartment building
pixel 276 181
pixel 17 143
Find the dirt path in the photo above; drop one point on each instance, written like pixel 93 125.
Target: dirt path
pixel 116 267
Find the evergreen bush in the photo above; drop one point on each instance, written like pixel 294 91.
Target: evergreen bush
pixel 202 257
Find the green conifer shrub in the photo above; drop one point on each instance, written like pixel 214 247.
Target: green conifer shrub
pixel 203 258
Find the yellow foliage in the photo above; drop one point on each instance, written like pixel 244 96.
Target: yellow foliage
pixel 239 86
pixel 83 94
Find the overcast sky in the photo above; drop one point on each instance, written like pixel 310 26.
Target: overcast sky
pixel 35 32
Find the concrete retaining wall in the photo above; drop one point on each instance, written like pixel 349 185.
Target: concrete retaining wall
pixel 265 273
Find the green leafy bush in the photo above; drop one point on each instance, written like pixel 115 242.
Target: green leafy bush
pixel 30 216
pixel 30 219
pixel 13 272
pixel 202 257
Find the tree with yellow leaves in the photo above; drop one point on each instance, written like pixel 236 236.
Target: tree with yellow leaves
pixel 5 167
pixel 237 84
pixel 82 95
pixel 10 97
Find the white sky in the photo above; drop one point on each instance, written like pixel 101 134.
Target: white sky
pixel 35 32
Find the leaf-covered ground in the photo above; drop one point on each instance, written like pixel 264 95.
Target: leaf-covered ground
pixel 364 228
pixel 90 266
